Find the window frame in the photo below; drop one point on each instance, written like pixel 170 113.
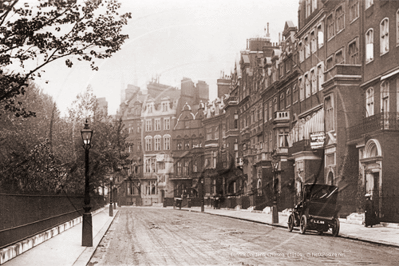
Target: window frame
pixel 308 85
pixel 288 98
pixel 307 47
pixel 148 143
pixel 330 27
pixel 338 19
pixel 301 89
pixel 340 51
pixel 353 6
pixel 166 142
pixel 350 56
pixel 368 4
pixel 166 123
pixel 369 36
pixel 329 113
pixel 301 52
pixel 148 125
pixel 295 94
pixel 157 143
pixel 320 29
pixel 370 102
pixel 320 76
pixel 313 81
pixel 313 42
pixel 331 57
pixel 384 95
pixel 282 101
pixel 157 124
pixel 384 37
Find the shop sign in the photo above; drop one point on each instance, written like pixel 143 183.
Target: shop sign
pixel 317 140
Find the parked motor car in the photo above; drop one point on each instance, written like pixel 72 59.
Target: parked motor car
pixel 317 211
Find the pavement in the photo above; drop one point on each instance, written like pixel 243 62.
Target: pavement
pixel 378 234
pixel 66 249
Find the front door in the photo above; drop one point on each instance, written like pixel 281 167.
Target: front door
pixel 376 193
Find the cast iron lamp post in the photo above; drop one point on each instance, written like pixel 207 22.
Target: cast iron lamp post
pixel 275 184
pixel 111 210
pixel 87 227
pixel 202 194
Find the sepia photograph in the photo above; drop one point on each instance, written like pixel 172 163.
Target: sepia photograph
pixel 199 132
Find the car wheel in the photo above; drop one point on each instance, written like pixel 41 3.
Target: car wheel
pixel 335 227
pixel 290 223
pixel 304 224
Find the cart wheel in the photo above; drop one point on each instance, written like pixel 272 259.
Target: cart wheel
pixel 290 223
pixel 320 232
pixel 335 227
pixel 304 224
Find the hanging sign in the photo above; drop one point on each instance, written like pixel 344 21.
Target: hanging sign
pixel 317 140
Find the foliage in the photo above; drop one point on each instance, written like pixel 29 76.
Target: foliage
pixel 45 153
pixel 26 150
pixel 36 34
pixel 108 140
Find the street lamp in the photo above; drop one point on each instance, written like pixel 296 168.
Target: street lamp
pixel 275 183
pixel 111 210
pixel 202 194
pixel 87 229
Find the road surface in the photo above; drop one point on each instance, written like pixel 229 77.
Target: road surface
pixel 156 236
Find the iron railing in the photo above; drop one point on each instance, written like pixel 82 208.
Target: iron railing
pixel 379 122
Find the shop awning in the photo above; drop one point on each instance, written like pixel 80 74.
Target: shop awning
pixel 305 126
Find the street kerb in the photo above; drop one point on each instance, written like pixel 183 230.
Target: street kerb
pixel 355 238
pixel 88 253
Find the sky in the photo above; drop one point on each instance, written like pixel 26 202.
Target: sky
pixel 172 39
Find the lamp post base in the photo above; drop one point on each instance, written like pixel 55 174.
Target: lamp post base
pixel 202 206
pixel 275 213
pixel 87 229
pixel 111 210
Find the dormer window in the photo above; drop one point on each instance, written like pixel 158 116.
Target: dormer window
pixel 149 107
pixel 164 107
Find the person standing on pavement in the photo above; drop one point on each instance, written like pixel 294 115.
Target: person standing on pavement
pixel 369 217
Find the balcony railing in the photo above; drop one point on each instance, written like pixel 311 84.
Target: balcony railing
pixel 263 155
pixel 378 122
pixel 302 145
pixel 281 116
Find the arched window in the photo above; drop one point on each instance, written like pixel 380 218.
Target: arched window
pixel 288 97
pixel 294 94
pixel 369 45
pixel 282 101
pixel 369 102
pixel 307 84
pixel 314 81
pixel 384 36
pixel 372 149
pixel 301 89
pixel 320 76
